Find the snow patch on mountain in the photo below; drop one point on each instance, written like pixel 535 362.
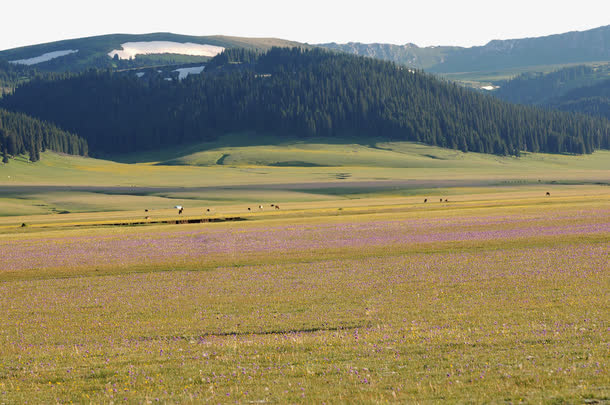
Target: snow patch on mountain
pixel 131 49
pixel 184 72
pixel 44 57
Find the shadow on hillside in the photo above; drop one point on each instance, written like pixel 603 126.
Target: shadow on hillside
pixel 169 155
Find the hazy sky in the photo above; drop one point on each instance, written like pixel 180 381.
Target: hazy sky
pixel 423 22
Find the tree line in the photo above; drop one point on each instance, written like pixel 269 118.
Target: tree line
pixel 298 92
pixel 21 134
pixel 11 75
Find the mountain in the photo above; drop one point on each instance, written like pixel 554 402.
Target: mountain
pixel 571 47
pixel 408 54
pixel 288 92
pixel 20 134
pixel 77 55
pixel 497 55
pixel 475 66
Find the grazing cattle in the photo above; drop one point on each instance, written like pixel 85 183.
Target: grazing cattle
pixel 260 207
pixel 249 209
pixel 180 211
pixel 273 205
pixel 146 217
pixel 425 200
pixel 547 193
pixel 208 210
pixel 277 207
pixel 446 200
pixel 146 210
pixel 441 200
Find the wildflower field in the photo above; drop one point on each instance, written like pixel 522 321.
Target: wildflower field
pixel 481 299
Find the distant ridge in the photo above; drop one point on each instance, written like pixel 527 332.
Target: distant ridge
pixel 571 47
pixel 407 54
pixel 559 49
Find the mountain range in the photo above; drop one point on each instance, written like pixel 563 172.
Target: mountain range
pixel 576 47
pixel 567 48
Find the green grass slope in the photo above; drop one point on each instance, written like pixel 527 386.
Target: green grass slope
pixel 245 149
pixel 235 172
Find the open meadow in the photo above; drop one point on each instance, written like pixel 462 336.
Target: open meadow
pixel 355 291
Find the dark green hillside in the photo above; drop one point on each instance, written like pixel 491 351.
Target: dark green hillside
pixel 303 93
pixel 592 100
pixel 93 51
pixel 20 134
pixel 11 75
pixel 541 89
pixel 583 89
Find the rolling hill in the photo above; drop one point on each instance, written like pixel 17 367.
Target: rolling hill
pixel 296 92
pixel 77 55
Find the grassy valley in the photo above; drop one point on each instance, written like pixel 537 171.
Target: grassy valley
pixel 216 175
pixel 356 289
pixel 297 227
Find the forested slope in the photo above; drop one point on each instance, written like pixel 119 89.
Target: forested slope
pixel 541 88
pixel 592 100
pixel 20 134
pixel 583 89
pixel 298 92
pixel 11 75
